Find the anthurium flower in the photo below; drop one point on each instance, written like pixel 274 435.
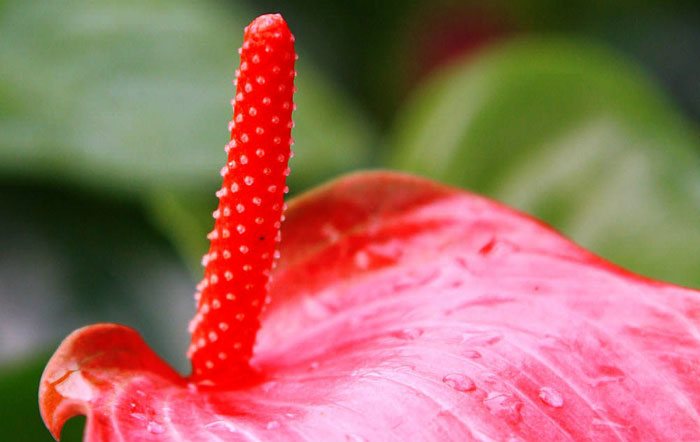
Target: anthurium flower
pixel 400 310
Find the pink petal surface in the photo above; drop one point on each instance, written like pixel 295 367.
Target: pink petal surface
pixel 404 310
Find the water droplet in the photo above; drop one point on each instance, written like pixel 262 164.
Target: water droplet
pixel 155 428
pixel 459 382
pixel 504 405
pixel 551 397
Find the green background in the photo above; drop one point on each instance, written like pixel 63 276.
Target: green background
pixel 113 119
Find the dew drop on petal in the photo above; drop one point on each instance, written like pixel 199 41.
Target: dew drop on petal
pixel 504 405
pixel 459 382
pixel 551 397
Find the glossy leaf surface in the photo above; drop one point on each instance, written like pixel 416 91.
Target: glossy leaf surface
pixel 404 310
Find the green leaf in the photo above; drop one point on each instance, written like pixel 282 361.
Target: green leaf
pixel 573 135
pixel 70 258
pixel 129 95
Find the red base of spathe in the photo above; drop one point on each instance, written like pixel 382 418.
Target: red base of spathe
pixel 405 310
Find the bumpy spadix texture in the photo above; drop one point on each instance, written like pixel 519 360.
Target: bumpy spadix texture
pixel 401 310
pixel 247 221
pixel 404 310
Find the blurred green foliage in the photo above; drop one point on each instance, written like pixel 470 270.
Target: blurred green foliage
pixel 113 119
pixel 573 135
